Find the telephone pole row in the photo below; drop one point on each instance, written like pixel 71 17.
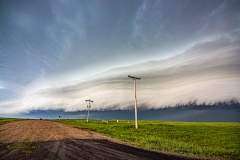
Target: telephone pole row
pixel 88 106
pixel 135 98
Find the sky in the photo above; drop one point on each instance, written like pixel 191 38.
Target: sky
pixel 56 54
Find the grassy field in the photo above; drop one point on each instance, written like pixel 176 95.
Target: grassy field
pixel 7 120
pixel 216 140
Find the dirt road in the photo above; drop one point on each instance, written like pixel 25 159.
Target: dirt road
pixel 40 139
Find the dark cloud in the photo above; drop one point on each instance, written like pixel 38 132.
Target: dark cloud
pixel 229 112
pixel 48 50
pixel 210 75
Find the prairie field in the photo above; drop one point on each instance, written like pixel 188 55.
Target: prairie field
pixel 7 120
pixel 204 139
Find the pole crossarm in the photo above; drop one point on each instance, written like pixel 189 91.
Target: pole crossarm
pixel 89 100
pixel 134 77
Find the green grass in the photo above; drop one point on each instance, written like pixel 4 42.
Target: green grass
pixel 215 140
pixel 8 120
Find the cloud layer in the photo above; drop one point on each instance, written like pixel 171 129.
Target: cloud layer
pixel 211 74
pixel 57 54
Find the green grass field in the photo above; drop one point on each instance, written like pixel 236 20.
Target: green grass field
pixel 7 120
pixel 216 140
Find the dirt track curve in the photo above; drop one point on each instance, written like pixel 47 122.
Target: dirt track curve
pixel 40 139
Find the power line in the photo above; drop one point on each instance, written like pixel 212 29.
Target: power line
pixel 213 51
pixel 173 64
pixel 237 32
pixel 221 38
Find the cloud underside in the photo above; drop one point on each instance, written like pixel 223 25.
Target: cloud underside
pixel 206 78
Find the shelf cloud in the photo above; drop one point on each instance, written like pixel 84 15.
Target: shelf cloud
pixel 56 54
pixel 211 74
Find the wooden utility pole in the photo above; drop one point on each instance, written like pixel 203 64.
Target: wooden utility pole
pixel 88 106
pixel 135 97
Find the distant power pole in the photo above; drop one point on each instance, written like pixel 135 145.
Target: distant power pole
pixel 60 115
pixel 135 97
pixel 88 106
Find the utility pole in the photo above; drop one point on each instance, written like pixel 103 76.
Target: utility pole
pixel 135 98
pixel 60 115
pixel 88 106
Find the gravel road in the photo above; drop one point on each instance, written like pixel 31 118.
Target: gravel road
pixel 41 139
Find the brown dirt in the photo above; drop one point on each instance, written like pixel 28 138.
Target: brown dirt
pixel 59 141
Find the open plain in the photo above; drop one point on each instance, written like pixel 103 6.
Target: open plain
pixel 40 139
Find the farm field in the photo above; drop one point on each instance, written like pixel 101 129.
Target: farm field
pixel 43 139
pixel 7 120
pixel 214 140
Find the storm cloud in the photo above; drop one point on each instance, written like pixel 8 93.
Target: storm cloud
pixel 56 54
